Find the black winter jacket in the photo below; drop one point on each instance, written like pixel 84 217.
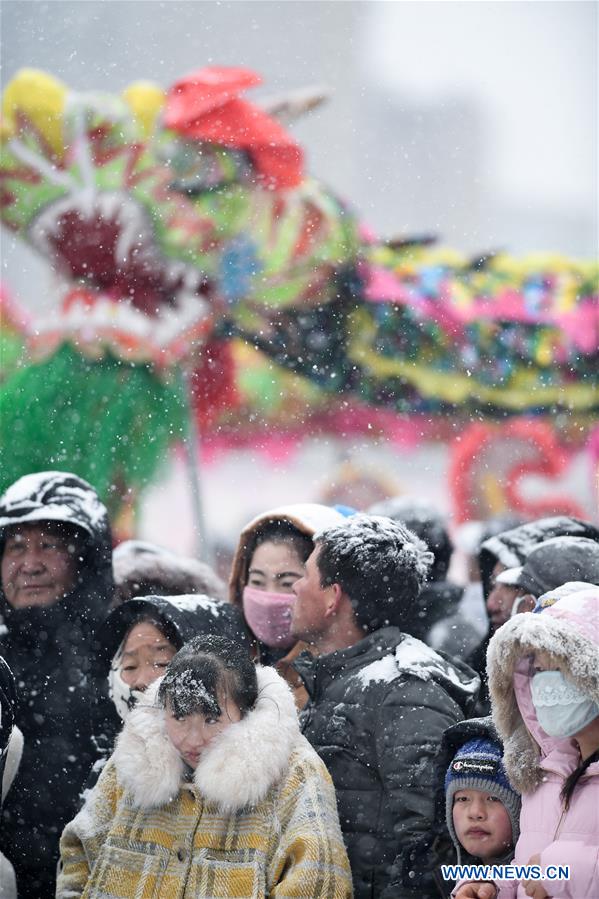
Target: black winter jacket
pixel 376 715
pixel 441 623
pixel 437 600
pixel 49 651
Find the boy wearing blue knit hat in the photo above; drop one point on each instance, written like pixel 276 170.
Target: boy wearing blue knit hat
pixel 482 809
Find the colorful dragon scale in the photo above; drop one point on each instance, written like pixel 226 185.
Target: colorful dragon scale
pixel 168 235
pixel 182 222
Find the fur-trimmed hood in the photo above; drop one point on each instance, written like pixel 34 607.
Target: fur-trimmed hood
pixel 12 761
pixel 569 630
pixel 142 568
pixel 235 771
pixel 308 518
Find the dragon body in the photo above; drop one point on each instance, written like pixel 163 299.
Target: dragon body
pixel 191 248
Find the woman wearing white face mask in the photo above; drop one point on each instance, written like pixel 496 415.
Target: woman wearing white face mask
pixel 270 558
pixel 544 679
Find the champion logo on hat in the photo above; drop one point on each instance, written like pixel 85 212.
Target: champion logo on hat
pixel 487 767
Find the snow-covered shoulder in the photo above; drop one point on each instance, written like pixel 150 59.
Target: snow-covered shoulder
pixel 414 658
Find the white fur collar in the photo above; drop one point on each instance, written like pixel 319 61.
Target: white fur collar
pixel 236 770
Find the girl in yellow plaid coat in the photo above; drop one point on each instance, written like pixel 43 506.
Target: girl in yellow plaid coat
pixel 211 792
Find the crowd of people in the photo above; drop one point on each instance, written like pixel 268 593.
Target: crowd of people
pixel 344 721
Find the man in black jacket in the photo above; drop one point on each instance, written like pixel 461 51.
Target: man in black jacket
pixel 380 699
pixel 509 549
pixel 55 550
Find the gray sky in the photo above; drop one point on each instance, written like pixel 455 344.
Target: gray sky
pixel 474 120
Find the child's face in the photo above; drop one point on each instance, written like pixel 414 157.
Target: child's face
pixel 192 734
pixel 482 824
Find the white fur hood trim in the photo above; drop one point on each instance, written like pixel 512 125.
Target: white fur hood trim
pixel 235 771
pixel 13 759
pixel 521 636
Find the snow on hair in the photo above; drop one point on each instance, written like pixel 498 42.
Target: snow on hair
pixel 203 668
pixel 379 563
pixel 362 535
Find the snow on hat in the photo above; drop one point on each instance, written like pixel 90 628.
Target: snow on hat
pixel 478 765
pixel 554 562
pixel 53 496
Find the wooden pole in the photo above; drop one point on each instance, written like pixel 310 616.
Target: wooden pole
pixel 192 444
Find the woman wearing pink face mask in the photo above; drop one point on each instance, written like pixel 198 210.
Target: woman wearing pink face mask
pixel 270 558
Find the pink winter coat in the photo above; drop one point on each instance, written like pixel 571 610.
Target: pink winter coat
pixel 537 764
